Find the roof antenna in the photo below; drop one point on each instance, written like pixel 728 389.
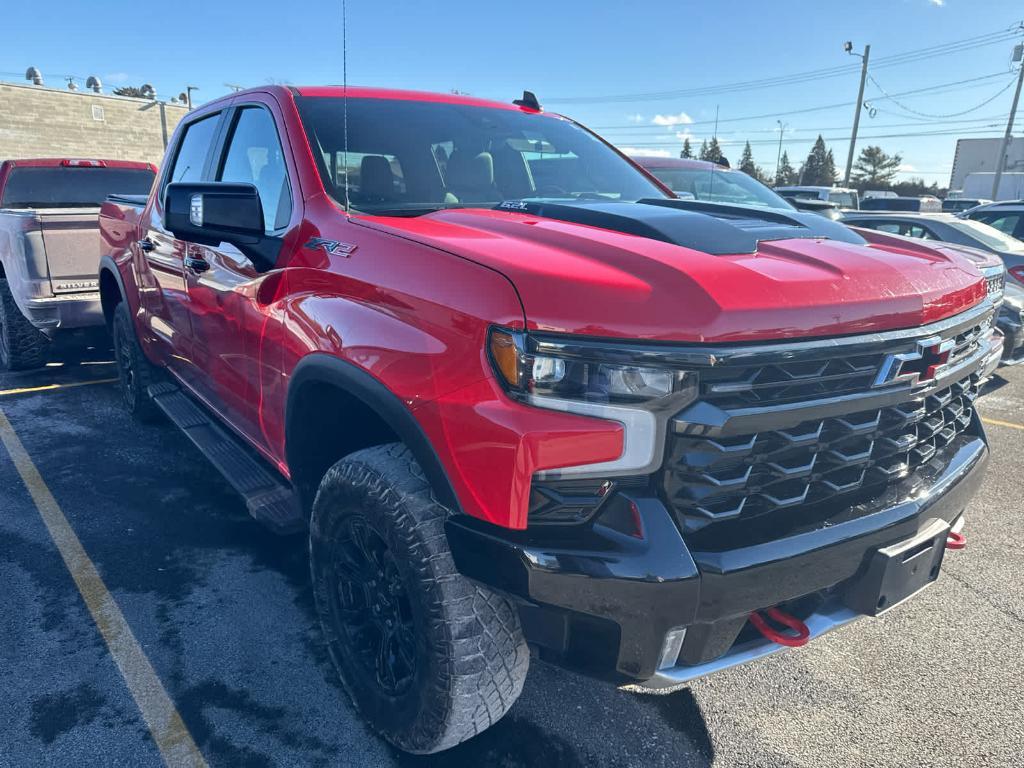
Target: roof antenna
pixel 529 101
pixel 344 97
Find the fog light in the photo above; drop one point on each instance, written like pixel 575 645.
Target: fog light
pixel 671 648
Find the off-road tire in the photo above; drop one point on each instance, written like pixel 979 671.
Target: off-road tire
pixel 470 655
pixel 22 346
pixel 135 374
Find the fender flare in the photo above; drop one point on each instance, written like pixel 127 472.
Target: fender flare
pixel 107 264
pixel 350 378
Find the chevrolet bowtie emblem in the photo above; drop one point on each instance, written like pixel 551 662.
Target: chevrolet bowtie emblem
pixel 917 367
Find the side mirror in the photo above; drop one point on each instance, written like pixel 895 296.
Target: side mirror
pixel 211 213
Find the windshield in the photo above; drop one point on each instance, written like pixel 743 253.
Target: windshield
pixel 720 186
pixel 989 236
pixel 72 187
pixel 406 157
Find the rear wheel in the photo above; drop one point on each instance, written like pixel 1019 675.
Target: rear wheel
pixel 429 658
pixel 135 374
pixel 22 346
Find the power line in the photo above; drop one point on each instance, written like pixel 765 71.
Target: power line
pixel 963 120
pixel 928 89
pixel 803 77
pixel 807 140
pixel 912 111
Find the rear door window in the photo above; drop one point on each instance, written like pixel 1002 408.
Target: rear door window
pixel 194 150
pixel 1004 222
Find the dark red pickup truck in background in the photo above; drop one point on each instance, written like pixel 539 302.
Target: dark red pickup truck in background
pixel 528 400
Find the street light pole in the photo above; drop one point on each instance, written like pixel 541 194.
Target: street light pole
pixel 188 95
pixel 860 102
pixel 1018 55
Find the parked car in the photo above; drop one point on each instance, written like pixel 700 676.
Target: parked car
pixel 49 248
pixel 820 207
pixel 1005 296
pixel 950 229
pixel 703 180
pixel 523 397
pixel 925 204
pixel 1011 322
pixel 1007 217
pixel 844 197
pixel 959 204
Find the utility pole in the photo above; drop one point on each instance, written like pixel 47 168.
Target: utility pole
pixel 848 47
pixel 778 156
pixel 1018 56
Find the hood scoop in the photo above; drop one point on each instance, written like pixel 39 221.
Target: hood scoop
pixel 713 228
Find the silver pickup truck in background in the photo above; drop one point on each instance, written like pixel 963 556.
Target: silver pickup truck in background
pixel 49 248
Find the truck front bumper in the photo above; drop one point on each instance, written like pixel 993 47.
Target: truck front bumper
pixel 64 311
pixel 615 605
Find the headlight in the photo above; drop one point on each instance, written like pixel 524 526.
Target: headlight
pixel 995 283
pixel 539 376
pixel 601 382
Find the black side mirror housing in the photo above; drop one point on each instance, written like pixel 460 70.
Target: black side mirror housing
pixel 211 213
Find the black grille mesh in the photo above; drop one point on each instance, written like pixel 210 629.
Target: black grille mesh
pixel 709 479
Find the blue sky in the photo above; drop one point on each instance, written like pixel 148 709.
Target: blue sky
pixel 565 51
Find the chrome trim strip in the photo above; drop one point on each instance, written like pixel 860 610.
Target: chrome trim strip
pixel 705 355
pixel 703 418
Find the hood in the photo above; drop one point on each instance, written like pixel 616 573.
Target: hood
pixel 628 281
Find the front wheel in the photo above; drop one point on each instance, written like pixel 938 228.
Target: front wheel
pixel 429 658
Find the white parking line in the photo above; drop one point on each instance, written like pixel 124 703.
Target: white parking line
pixel 162 718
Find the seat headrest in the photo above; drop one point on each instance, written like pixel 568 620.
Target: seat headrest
pixel 376 179
pixel 466 169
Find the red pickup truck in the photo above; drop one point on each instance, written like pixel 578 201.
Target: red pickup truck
pixel 527 400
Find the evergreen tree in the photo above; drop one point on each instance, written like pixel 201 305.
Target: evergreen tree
pixel 714 151
pixel 687 150
pixel 819 169
pixel 786 173
pixel 703 154
pixel 874 168
pixel 130 90
pixel 747 164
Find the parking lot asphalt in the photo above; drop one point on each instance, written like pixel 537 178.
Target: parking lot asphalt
pixel 222 611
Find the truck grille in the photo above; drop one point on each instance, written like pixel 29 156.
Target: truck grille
pixel 778 383
pixel 717 478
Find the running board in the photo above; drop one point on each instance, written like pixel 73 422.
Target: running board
pixel 269 498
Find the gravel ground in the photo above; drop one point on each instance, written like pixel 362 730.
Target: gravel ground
pixel 223 611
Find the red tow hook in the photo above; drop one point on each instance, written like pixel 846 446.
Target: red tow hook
pixel 803 634
pixel 955 540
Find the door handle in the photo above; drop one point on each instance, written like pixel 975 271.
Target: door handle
pixel 145 245
pixel 195 264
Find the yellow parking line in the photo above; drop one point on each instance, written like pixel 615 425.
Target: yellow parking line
pixel 165 724
pixel 998 423
pixel 45 387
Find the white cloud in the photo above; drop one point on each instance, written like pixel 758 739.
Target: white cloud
pixel 635 118
pixel 645 152
pixel 906 168
pixel 681 119
pixel 937 3
pixel 684 135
